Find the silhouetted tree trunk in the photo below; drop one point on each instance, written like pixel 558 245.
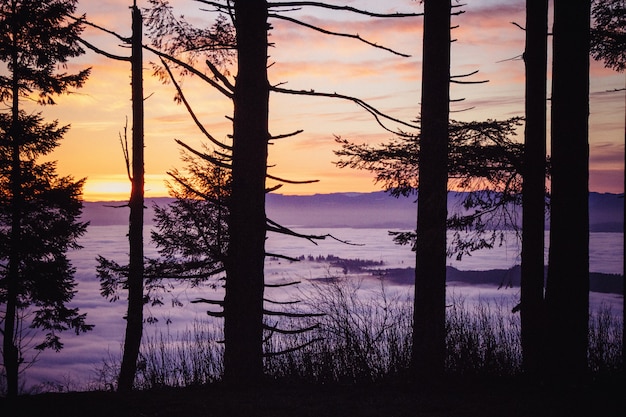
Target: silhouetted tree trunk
pixel 428 354
pixel 567 290
pixel 134 316
pixel 533 189
pixel 10 348
pixel 243 302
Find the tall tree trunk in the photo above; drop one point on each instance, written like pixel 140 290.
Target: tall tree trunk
pixel 533 197
pixel 624 251
pixel 134 318
pixel 243 302
pixel 10 348
pixel 567 290
pixel 428 354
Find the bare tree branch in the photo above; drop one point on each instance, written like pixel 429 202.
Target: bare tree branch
pixel 340 34
pixel 284 284
pixel 206 301
pixel 82 19
pixel 190 110
pixel 191 69
pixel 292 315
pixel 336 7
pixel 124 144
pixel 294 331
pixel 272 189
pixel 281 302
pixel 272 226
pixel 203 155
pixel 286 135
pixel 276 255
pixel 200 194
pixel 103 52
pixel 518 25
pixel 272 177
pixel 454 80
pixel 370 109
pixel 220 76
pixel 469 74
pixel 293 349
pixel 218 6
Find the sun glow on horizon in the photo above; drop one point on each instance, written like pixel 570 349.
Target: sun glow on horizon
pixel 117 187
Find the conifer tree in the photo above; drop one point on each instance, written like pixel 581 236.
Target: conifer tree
pixel 38 210
pixel 249 90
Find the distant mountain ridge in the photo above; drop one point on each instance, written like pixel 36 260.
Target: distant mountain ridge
pixel 358 210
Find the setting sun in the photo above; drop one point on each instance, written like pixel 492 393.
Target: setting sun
pixel 117 187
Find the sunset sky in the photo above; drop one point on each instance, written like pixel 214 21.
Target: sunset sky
pixel 486 41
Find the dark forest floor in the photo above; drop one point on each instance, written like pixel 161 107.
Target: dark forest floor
pixel 506 398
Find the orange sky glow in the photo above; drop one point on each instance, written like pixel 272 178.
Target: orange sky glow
pixel 305 60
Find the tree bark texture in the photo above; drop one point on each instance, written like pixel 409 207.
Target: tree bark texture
pixel 134 318
pixel 428 355
pixel 533 191
pixel 243 303
pixel 567 290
